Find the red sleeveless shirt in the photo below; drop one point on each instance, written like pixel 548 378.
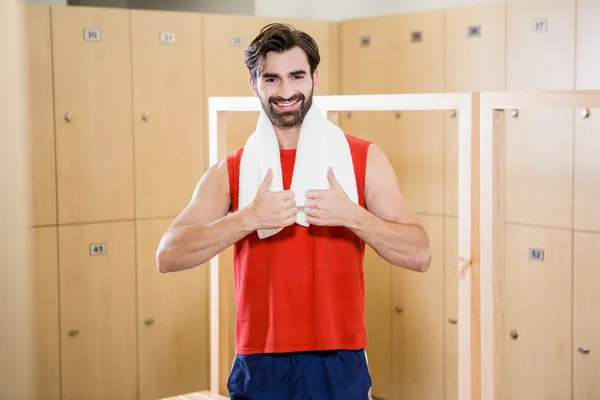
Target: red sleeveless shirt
pixel 303 288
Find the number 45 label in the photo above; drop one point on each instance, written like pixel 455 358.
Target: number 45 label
pixel 539 25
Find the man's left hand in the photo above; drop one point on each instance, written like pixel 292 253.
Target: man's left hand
pixel 328 207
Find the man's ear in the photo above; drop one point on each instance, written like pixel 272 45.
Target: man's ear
pixel 316 78
pixel 252 85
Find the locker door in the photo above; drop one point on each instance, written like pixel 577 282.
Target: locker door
pixel 325 34
pixel 540 44
pixel 418 333
pixel 538 314
pixel 419 68
pixel 376 126
pixel 539 167
pixel 588 46
pixel 171 151
pixel 46 341
pixel 41 112
pixel 586 321
pixel 98 311
pixel 92 89
pixel 173 321
pixel 450 309
pixel 587 171
pixel 476 48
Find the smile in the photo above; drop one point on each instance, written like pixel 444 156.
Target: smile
pixel 288 105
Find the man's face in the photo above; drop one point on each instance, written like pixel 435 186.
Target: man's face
pixel 285 87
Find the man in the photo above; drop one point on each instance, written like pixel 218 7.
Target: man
pixel 300 329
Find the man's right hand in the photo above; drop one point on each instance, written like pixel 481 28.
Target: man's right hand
pixel 271 210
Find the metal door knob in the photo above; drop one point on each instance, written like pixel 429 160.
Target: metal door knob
pixel 584 350
pixel 514 334
pixel 399 309
pixel 452 320
pixel 585 113
pixel 149 321
pixel 514 113
pixel 68 116
pixel 146 116
pixel 73 332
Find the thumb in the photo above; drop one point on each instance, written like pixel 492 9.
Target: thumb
pixel 331 178
pixel 264 186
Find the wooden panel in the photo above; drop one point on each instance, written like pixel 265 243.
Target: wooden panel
pixel 418 333
pixel 417 154
pixel 169 111
pixel 93 82
pixel 229 76
pixel 324 33
pixel 45 342
pixel 41 116
pixel 476 48
pixel 541 59
pixel 587 172
pixel 588 45
pixel 538 301
pixel 451 309
pixel 377 127
pixel 539 167
pixel 172 321
pixel 365 56
pixel 451 165
pixel 586 323
pixel 97 301
pixel 418 63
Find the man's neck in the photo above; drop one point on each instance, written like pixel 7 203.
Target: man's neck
pixel 287 138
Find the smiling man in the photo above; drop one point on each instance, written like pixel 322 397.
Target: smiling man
pixel 300 324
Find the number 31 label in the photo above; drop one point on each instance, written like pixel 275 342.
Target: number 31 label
pixel 91 34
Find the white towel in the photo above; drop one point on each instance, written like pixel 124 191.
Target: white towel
pixel 321 145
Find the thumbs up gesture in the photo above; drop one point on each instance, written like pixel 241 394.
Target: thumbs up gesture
pixel 328 207
pixel 271 210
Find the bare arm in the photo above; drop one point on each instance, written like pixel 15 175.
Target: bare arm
pixel 204 228
pixel 389 225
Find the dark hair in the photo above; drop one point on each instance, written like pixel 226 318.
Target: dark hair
pixel 280 37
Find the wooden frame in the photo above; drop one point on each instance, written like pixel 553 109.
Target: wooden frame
pixel 492 212
pixel 466 105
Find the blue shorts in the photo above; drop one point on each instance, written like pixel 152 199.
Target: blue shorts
pixel 314 375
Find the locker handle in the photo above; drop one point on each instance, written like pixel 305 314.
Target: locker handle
pixel 514 334
pixel 68 116
pixel 585 113
pixel 584 350
pixel 452 320
pixel 149 321
pixel 399 309
pixel 146 116
pixel 73 332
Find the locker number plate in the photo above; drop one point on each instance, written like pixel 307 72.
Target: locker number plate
pixel 167 37
pixel 236 40
pixel 97 249
pixel 536 254
pixel 91 34
pixel 474 31
pixel 539 25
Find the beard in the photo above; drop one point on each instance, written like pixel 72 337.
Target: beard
pixel 287 119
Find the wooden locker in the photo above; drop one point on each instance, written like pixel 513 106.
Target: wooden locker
pixel 540 45
pixel 376 126
pixel 41 116
pixel 586 319
pixel 587 171
pixel 46 341
pixel 418 333
pixel 169 107
pixel 365 56
pixel 539 167
pixel 538 313
pixel 419 68
pixel 475 48
pixel 450 308
pixel 588 46
pixel 92 92
pixel 325 34
pixel 98 311
pixel 173 321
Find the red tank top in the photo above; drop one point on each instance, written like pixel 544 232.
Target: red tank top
pixel 303 288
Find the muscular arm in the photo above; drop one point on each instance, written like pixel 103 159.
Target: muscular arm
pixel 388 224
pixel 204 228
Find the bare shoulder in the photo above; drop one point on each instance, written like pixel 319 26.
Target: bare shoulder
pixel 383 196
pixel 210 199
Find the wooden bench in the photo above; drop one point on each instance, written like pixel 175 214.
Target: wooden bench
pixel 204 395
